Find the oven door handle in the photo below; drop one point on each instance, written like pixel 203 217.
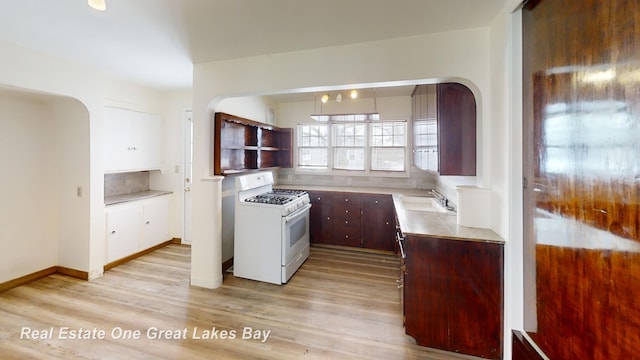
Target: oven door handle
pixel 297 213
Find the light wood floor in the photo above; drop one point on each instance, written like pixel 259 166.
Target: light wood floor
pixel 339 305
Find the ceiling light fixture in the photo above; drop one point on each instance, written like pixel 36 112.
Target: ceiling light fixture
pixel 99 5
pixel 339 97
pixel 354 94
pixel 324 98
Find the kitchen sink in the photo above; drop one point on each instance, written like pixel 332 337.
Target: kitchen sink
pixel 422 203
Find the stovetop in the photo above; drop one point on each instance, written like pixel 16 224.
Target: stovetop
pixel 277 197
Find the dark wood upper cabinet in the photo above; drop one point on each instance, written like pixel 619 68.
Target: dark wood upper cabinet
pixel 444 123
pixel 241 145
pixel 457 129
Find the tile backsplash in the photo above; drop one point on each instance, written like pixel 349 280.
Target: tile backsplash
pixel 126 183
pixel 418 180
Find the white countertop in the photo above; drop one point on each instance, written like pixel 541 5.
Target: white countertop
pixel 118 199
pixel 440 225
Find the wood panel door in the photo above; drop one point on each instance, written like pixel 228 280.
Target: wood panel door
pixel 582 171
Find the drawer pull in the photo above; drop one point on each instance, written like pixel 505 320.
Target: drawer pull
pixel 346 200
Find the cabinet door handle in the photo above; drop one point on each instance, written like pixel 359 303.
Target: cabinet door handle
pixel 148 222
pixel 376 201
pixel 346 211
pixel 346 221
pixel 113 232
pixel 347 200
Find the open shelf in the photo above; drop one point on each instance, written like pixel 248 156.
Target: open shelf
pixel 243 145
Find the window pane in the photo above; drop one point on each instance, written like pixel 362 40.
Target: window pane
pixel 313 157
pixel 313 135
pixel 348 158
pixel 387 159
pixel 389 134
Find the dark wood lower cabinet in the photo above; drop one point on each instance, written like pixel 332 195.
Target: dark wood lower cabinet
pixel 453 295
pixel 352 219
pixel 378 222
pixel 320 224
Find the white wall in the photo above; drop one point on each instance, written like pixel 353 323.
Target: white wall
pixel 81 237
pixel 506 157
pixel 173 174
pixel 72 145
pixel 28 210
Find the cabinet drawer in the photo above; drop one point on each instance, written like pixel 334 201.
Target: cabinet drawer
pixel 377 201
pixel 347 199
pixel 340 210
pixel 347 223
pixel 347 236
pixel 319 197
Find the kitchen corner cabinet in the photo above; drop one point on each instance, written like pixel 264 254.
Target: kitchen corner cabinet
pixel 132 141
pixel 352 219
pixel 444 122
pixel 242 145
pixel 136 226
pixel 453 294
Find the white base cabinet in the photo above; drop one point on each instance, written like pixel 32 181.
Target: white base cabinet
pixel 136 226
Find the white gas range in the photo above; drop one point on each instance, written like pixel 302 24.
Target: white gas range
pixel 271 230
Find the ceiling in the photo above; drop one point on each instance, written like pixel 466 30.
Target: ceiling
pixel 155 42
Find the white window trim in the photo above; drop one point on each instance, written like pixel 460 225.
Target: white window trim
pixel 367 156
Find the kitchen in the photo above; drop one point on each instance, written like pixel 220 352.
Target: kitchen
pixel 210 90
pixel 484 57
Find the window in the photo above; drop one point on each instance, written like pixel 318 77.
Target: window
pixel 348 146
pixel 313 142
pixel 353 143
pixel 388 141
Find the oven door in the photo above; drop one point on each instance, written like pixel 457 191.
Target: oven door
pixel 295 233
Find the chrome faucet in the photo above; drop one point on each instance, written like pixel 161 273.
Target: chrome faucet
pixel 441 199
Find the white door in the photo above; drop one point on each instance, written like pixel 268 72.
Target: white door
pixel 188 163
